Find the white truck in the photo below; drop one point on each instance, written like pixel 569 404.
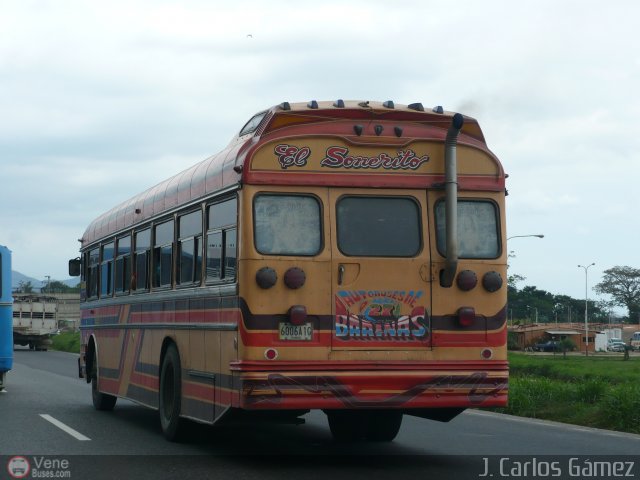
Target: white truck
pixel 34 320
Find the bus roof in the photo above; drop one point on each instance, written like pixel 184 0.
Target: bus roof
pixel 364 124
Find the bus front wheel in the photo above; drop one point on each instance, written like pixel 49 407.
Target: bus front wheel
pixel 170 395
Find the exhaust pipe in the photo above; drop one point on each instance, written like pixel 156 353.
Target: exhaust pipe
pixel 451 201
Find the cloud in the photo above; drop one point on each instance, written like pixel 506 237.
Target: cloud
pixel 103 100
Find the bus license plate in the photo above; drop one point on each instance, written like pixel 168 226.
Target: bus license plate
pixel 296 332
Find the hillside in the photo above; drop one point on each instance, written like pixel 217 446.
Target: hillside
pixel 17 278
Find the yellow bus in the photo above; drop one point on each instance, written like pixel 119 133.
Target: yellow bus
pixel 347 256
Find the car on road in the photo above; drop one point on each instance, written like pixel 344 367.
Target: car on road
pixel 616 345
pixel 549 346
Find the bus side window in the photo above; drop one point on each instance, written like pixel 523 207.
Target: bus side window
pixel 190 248
pixel 106 270
pixel 221 241
pixel 163 254
pixel 140 277
pixel 92 272
pixel 123 265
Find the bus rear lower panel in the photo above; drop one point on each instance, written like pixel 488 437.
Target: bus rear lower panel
pixel 375 389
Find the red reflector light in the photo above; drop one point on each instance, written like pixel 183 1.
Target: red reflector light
pixel 466 316
pixel 487 353
pixel 271 354
pixel 298 314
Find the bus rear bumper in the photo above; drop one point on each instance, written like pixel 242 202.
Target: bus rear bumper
pixel 384 389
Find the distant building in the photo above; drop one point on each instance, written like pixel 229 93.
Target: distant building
pixel 528 335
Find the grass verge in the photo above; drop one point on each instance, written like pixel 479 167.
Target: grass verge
pixel 66 342
pixel 593 391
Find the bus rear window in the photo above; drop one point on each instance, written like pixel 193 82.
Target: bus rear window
pixel 477 229
pixel 378 227
pixel 287 225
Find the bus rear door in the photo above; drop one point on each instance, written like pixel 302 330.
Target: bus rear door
pixel 380 271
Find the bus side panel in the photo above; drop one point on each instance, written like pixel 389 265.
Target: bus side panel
pixel 6 314
pixel 227 391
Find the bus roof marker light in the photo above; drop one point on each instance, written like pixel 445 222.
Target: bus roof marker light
pixel 294 278
pixel 312 104
pixel 378 129
pixel 266 277
pixel 398 131
pixel 358 129
pixel 438 109
pixel 389 104
pixel 418 107
pixel 285 106
pixel 339 103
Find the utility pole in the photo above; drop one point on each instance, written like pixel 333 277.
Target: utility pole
pixel 586 306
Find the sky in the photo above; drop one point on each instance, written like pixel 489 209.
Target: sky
pixel 102 100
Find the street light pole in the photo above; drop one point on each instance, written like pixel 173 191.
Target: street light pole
pixel 521 236
pixel 586 303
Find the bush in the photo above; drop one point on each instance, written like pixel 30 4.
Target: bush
pixel 621 405
pixel 66 342
pixel 591 390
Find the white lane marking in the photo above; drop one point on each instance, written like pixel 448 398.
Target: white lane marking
pixel 65 428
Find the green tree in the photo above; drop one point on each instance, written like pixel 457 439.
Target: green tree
pixel 622 283
pixel 513 278
pixel 55 286
pixel 25 287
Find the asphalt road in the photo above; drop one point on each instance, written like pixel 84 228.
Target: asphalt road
pixel 43 390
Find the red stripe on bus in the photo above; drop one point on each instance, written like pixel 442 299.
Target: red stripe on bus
pixel 466 182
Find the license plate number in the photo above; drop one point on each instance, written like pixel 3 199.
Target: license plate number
pixel 296 332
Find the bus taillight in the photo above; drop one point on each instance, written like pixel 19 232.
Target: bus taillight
pixel 492 281
pixel 294 278
pixel 298 314
pixel 266 277
pixel 466 316
pixel 467 280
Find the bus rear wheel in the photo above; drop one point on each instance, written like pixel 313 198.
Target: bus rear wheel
pixel 171 395
pixel 101 401
pixel 383 426
pixel 372 425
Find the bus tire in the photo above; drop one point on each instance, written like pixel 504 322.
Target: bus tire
pixel 171 395
pixel 347 425
pixel 383 426
pixel 101 401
